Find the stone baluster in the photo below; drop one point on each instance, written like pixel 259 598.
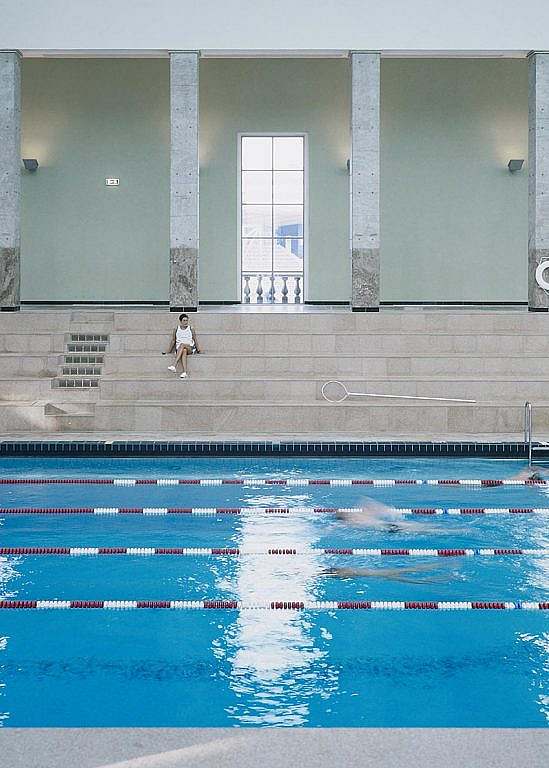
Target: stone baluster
pixel 272 290
pixel 259 290
pixel 246 289
pixel 297 290
pixel 284 289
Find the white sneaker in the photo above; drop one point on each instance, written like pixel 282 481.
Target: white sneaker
pixel 183 375
pixel 171 368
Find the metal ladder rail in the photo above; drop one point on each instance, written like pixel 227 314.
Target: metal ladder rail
pixel 529 438
pixel 528 430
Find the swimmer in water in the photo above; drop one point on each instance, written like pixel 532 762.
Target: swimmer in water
pixel 392 574
pixel 374 514
pixel 529 474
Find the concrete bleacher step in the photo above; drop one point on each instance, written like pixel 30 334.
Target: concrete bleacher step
pixel 37 387
pixel 86 371
pixel 213 363
pixel 295 388
pixel 279 388
pixel 28 365
pixel 268 418
pixel 341 343
pixel 305 418
pixel 387 321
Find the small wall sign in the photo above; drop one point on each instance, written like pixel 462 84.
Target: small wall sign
pixel 112 182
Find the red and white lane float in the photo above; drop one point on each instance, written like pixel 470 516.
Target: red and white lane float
pixel 209 511
pixel 274 605
pixel 252 482
pixel 240 552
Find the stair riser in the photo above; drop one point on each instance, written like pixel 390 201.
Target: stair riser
pixel 42 389
pixel 164 321
pixel 396 321
pixel 38 342
pixel 338 365
pixel 288 343
pixel 270 420
pixel 330 365
pixel 343 344
pixel 196 390
pixel 45 365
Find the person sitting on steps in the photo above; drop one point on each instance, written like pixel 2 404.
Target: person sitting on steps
pixel 183 342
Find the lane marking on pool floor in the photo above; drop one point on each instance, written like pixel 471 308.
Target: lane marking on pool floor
pixel 253 482
pixel 287 605
pixel 240 552
pixel 210 511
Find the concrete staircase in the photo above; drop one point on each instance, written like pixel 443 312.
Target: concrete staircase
pixel 261 374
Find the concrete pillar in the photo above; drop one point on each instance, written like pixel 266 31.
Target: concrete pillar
pixel 538 177
pixel 365 242
pixel 184 180
pixel 10 179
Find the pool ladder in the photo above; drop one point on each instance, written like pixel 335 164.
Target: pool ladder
pixel 528 438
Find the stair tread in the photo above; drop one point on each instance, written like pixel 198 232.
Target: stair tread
pixel 268 376
pixel 371 331
pixel 331 356
pixel 303 404
pixel 270 403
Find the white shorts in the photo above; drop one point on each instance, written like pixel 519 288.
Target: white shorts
pixel 181 344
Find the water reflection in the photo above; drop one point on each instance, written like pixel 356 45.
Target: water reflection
pixel 539 660
pixel 537 568
pixel 7 574
pixel 278 661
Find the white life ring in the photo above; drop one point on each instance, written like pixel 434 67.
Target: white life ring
pixel 540 280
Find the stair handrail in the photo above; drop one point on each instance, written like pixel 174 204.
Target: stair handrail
pixel 528 430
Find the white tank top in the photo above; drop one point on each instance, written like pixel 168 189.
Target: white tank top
pixel 184 336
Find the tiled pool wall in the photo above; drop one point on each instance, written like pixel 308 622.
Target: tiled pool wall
pixel 497 450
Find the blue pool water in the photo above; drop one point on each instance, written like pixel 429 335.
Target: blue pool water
pixel 312 668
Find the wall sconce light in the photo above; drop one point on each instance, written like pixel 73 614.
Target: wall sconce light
pixel 348 166
pixel 30 164
pixel 515 165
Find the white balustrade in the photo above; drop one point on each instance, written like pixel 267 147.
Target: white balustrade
pixel 282 288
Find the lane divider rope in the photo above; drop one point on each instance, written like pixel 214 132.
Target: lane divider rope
pixel 238 552
pixel 252 482
pixel 288 605
pixel 208 511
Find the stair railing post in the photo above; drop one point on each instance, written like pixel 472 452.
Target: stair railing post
pixel 528 430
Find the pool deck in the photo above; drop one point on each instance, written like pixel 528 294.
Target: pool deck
pixel 315 437
pixel 274 747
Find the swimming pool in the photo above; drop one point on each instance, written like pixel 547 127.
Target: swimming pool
pixel 358 652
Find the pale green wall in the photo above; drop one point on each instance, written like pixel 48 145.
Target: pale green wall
pixel 454 221
pixel 86 119
pixel 278 95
